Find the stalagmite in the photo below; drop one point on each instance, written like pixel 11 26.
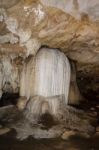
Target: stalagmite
pixel 74 94
pixel 47 74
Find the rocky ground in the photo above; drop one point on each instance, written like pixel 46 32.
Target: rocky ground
pixel 70 140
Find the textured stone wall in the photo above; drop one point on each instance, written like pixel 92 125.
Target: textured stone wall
pixel 70 25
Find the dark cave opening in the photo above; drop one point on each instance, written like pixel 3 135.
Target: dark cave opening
pixel 89 88
pixel 9 99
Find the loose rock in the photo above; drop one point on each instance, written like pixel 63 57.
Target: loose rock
pixel 4 130
pixel 67 134
pixel 97 129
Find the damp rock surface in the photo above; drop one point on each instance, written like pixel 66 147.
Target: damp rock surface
pixel 4 130
pixel 30 122
pixel 77 141
pixel 67 134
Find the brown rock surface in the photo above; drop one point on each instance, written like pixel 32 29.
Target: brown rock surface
pixel 56 25
pixel 67 134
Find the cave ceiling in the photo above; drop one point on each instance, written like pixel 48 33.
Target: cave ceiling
pixel 70 25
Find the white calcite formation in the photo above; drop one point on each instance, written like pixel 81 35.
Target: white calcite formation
pixel 47 74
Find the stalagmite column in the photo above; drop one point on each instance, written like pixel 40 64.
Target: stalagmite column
pixel 47 74
pixel 74 94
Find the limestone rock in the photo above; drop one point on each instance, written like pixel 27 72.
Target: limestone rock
pixel 97 129
pixel 71 26
pixel 21 103
pixel 67 134
pixel 4 130
pixel 0 126
pixel 97 106
pixel 92 109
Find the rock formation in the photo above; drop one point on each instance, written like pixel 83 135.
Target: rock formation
pixel 32 120
pixel 71 26
pixel 46 74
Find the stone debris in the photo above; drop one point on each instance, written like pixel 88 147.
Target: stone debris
pixel 67 134
pixel 4 130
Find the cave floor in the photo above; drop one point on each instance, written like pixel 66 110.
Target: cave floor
pixel 9 142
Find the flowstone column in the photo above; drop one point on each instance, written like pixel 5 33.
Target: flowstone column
pixel 47 74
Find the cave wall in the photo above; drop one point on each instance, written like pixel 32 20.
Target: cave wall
pixel 69 25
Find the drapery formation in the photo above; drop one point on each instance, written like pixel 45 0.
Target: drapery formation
pixel 47 74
